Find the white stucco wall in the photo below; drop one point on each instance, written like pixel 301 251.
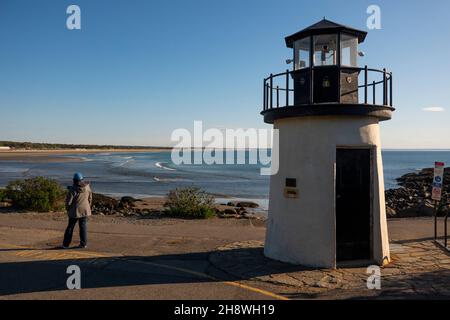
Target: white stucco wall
pixel 302 231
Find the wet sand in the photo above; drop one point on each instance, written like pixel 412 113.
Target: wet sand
pixel 53 156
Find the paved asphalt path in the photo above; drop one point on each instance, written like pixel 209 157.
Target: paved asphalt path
pixel 152 260
pixel 126 261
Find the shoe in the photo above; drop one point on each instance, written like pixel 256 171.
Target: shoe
pixel 64 247
pixel 82 247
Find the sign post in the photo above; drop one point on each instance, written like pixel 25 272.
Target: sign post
pixel 436 195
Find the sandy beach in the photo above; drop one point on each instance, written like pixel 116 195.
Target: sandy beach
pixel 52 156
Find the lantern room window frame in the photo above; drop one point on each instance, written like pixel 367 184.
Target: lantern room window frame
pixel 311 63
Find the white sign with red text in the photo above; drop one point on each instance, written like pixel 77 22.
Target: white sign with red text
pixel 438 181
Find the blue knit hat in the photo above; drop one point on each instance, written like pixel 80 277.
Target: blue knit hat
pixel 78 176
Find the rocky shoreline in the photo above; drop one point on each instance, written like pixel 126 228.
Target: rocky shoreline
pixel 413 198
pixel 155 207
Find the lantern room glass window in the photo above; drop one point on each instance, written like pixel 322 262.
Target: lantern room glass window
pixel 302 49
pixel 349 50
pixel 325 47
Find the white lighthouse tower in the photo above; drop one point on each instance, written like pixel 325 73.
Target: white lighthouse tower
pixel 327 205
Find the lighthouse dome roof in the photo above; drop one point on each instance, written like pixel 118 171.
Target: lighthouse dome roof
pixel 324 27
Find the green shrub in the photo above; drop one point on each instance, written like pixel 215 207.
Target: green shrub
pixel 2 195
pixel 190 202
pixel 37 194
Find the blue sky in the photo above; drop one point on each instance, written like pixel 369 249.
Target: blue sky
pixel 139 69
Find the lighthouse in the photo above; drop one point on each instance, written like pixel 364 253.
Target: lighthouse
pixel 327 204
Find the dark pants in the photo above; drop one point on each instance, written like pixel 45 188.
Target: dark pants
pixel 82 222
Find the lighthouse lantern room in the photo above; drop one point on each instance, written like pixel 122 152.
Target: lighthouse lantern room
pixel 327 204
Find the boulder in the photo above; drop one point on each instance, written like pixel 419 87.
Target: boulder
pixel 426 209
pixel 103 204
pixel 127 202
pixel 390 213
pixel 247 204
pixel 230 211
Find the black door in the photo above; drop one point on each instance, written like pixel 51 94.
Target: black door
pixel 353 236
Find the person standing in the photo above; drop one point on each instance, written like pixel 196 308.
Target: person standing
pixel 78 206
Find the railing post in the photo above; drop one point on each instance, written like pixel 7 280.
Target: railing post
pixel 278 96
pixel 435 219
pixel 271 91
pixel 366 71
pixel 287 88
pixel 337 57
pixel 264 95
pixel 384 87
pixel 311 84
pixel 446 231
pixel 390 93
pixel 374 93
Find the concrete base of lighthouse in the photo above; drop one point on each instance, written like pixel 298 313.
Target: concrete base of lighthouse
pixel 302 225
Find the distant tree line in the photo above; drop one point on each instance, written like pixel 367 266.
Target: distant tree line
pixel 55 146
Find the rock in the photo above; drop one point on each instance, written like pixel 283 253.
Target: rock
pixel 230 212
pixel 250 216
pixel 5 204
pixel 413 199
pixel 390 212
pixel 229 216
pixel 247 204
pixel 410 212
pixel 426 209
pixel 127 202
pixel 103 204
pixel 241 210
pixel 243 204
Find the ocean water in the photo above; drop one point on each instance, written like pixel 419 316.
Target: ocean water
pixel 154 174
pixel 398 163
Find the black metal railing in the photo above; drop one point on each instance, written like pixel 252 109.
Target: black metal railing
pixel 278 91
pixel 446 231
pixel 436 236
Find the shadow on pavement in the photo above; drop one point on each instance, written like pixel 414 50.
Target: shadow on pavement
pixel 119 271
pixel 115 271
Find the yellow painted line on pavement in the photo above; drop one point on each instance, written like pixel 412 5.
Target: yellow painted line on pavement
pixel 27 252
pixel 55 255
pixel 207 276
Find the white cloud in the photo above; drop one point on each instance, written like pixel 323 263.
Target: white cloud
pixel 433 109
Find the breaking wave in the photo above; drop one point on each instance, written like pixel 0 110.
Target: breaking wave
pixel 164 166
